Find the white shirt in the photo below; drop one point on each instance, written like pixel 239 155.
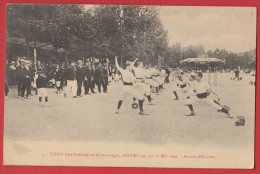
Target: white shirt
pixel 139 72
pixel 127 76
pixel 201 87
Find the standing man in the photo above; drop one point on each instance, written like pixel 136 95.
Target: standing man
pixel 18 75
pixel 6 85
pixel 88 79
pixel 99 77
pixel 93 70
pixel 26 77
pixel 81 74
pixel 104 77
pixel 71 75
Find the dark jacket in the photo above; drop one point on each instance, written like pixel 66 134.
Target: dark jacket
pixel 41 82
pixel 98 75
pixel 89 73
pixel 19 73
pixel 58 75
pixel 26 74
pixel 71 73
pixel 81 73
pixel 104 72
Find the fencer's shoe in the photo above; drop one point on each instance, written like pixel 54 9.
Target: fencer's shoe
pixel 191 114
pixel 22 98
pixel 176 99
pixel 117 112
pixel 41 104
pixel 151 103
pixel 225 110
pixel 28 97
pixel 6 98
pixel 142 113
pixel 65 94
pixel 75 97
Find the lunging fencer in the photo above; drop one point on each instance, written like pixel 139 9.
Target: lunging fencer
pixel 203 92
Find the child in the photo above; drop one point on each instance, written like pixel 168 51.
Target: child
pixel 41 83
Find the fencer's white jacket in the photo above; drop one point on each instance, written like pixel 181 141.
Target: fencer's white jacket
pixel 127 76
pixel 201 87
pixel 139 72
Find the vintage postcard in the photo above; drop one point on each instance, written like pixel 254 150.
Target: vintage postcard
pixel 130 86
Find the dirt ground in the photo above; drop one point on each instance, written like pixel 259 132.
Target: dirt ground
pixel 93 118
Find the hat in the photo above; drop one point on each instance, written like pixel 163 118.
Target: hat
pixel 13 62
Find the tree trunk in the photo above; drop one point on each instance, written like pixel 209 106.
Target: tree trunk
pixel 27 47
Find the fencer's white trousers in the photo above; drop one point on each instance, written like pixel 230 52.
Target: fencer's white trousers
pixel 161 79
pixel 71 85
pixel 42 92
pixel 152 82
pixel 130 91
pixel 208 100
pixel 143 88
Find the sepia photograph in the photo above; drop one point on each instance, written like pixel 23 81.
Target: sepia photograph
pixel 130 86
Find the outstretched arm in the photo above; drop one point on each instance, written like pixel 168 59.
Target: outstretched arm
pixel 117 66
pixel 133 63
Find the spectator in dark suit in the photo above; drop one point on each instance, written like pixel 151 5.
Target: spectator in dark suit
pixel 26 77
pixel 88 79
pixel 81 74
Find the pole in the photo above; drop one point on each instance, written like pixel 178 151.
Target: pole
pixel 35 55
pixel 66 58
pixel 209 74
pixel 121 34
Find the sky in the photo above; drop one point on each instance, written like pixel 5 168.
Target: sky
pixel 230 28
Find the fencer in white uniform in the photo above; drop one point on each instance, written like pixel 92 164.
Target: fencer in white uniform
pixel 140 74
pixel 128 88
pixel 202 91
